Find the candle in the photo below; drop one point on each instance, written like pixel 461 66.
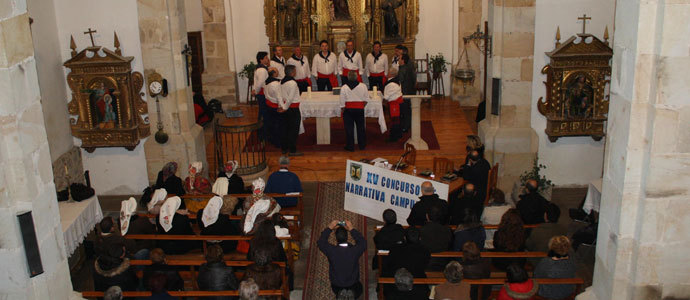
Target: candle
pixel 309 92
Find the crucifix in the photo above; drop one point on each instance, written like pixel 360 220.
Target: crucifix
pixel 90 33
pixel 584 22
pixel 187 54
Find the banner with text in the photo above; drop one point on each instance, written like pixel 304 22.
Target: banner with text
pixel 370 190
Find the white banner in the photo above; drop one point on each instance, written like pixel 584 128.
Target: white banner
pixel 370 190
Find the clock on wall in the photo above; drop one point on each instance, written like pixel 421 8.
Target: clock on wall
pixel 157 85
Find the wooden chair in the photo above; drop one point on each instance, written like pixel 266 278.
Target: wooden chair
pixel 491 183
pixel 442 166
pixel 411 157
pixel 422 68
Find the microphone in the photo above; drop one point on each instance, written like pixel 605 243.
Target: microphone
pixel 405 154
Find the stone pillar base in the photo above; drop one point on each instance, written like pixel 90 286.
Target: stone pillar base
pixel 416 130
pixel 514 149
pixel 182 148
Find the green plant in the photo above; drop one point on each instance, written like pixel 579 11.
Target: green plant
pixel 542 182
pixel 438 63
pixel 248 71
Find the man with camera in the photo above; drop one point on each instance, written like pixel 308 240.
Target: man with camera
pixel 343 258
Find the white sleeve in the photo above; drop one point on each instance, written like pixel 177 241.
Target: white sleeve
pixel 359 64
pixel 313 66
pixel 260 76
pixel 307 70
pixel 367 65
pixel 343 97
pixel 385 65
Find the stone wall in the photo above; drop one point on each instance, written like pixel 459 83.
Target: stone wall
pixel 469 16
pixel 219 77
pixel 509 138
pixel 26 181
pixel 643 230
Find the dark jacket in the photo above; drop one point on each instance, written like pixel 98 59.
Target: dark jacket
pixel 436 238
pixel 408 78
pixel 180 226
pixel 106 275
pixel 283 182
pixel 420 209
pixel 267 277
pixel 222 226
pixel 173 184
pixel 141 225
pixel 274 246
pixel 478 174
pixel 418 292
pixel 500 246
pixel 413 257
pixel 216 276
pixel 549 268
pixel 532 207
pixel 343 262
pixel 114 239
pixel 387 237
pixel 457 208
pixel 173 283
pixel 476 234
pixel 235 183
pixel 477 269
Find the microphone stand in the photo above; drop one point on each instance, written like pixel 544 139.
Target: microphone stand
pixel 397 165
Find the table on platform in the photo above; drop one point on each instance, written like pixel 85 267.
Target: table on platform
pixel 325 105
pixel 78 219
pixel 593 199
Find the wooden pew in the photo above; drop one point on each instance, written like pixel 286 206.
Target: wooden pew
pixel 578 282
pixel 453 227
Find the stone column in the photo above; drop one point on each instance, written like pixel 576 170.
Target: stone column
pixel 644 226
pixel 219 78
pixel 163 34
pixel 470 15
pixel 509 137
pixel 26 177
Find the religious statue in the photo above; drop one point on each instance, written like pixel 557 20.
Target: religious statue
pixel 390 19
pixel 579 98
pixel 341 10
pixel 103 103
pixel 290 10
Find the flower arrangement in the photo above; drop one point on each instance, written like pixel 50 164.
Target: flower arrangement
pixel 542 183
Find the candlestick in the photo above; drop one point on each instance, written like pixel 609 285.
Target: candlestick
pixel 309 92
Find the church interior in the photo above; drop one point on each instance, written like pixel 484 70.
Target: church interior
pixel 577 103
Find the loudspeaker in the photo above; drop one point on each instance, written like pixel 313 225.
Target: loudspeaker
pixel 33 255
pixel 495 96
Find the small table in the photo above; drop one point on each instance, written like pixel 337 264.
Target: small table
pixel 78 219
pixel 325 105
pixel 593 199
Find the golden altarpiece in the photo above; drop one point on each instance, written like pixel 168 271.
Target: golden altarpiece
pixel 577 87
pixel 303 23
pixel 106 109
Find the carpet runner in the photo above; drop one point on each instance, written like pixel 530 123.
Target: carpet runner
pixel 329 206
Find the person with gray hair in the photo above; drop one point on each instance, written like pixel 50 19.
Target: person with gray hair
pixel 353 98
pixel 283 181
pixel 249 290
pixel 405 287
pixel 429 199
pixel 113 293
pixel 454 288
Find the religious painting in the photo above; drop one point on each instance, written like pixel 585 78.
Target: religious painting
pixel 103 103
pixel 290 16
pixel 577 85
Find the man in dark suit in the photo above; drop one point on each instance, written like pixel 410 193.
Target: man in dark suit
pixel 418 214
pixel 532 206
pixel 477 172
pixel 412 256
pixel 436 237
pixel 408 80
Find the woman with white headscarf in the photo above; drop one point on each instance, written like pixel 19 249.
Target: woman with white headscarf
pixel 235 182
pixel 174 221
pixel 259 208
pixel 196 183
pixel 212 222
pixel 131 223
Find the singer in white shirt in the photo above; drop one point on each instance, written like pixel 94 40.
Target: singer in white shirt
pixel 399 51
pixel 377 67
pixel 278 61
pixel 289 108
pixel 274 96
pixel 353 98
pixel 392 93
pixel 260 76
pixel 350 61
pixel 302 70
pixel 324 68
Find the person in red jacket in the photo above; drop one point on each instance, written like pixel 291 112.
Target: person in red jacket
pixel 519 286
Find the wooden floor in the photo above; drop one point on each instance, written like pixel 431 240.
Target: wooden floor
pixel 450 125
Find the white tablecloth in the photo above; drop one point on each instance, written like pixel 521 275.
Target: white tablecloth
pixel 78 219
pixel 593 199
pixel 327 105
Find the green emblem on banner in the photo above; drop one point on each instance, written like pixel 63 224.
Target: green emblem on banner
pixel 355 172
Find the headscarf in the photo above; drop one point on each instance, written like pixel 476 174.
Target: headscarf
pixel 128 207
pixel 259 205
pixel 258 186
pixel 196 166
pixel 165 217
pixel 169 170
pixel 210 215
pixel 220 187
pixel 230 168
pixel 158 196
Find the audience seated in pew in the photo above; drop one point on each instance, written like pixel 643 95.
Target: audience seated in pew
pixel 405 289
pixel 213 222
pixel 475 267
pixel 169 181
pixel 263 271
pixel 174 221
pixel 436 238
pixel 113 293
pixel 468 199
pixel 112 268
pixel 493 212
pixel 249 290
pixel 158 284
pixel 532 205
pixel 389 236
pixel 134 224
pixel 477 172
pixel 215 275
pixel 227 182
pixel 429 198
pixel 454 288
pixel 538 239
pixel 282 182
pixel 109 237
pixel 265 239
pixel 411 255
pixel 519 286
pixel 195 183
pixel 557 265
pixel 510 237
pixel 258 208
pixel 470 230
pixel 159 266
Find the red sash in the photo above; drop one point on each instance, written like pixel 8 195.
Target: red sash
pixel 394 107
pixel 261 91
pixel 294 105
pixel 270 104
pixel 347 71
pixel 331 77
pixel 355 104
pixel 382 74
pixel 306 79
